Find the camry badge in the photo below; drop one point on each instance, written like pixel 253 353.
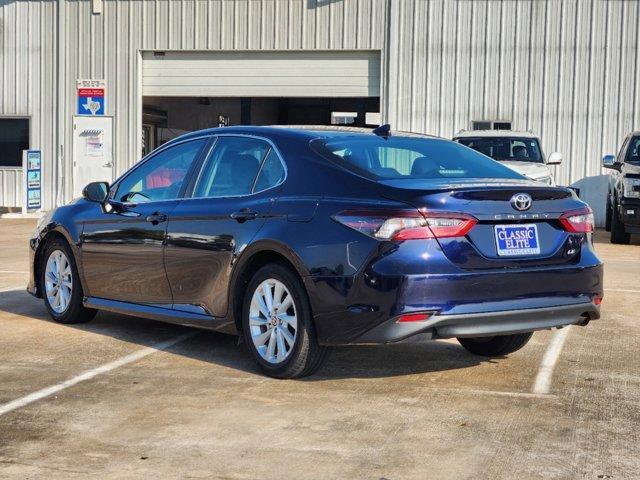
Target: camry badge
pixel 521 201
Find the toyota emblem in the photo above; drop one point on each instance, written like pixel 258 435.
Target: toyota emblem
pixel 521 201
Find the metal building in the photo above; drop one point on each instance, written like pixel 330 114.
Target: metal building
pixel 567 69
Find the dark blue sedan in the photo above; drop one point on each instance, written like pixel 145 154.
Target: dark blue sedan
pixel 302 239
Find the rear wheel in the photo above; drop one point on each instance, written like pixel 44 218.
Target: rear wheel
pixel 618 234
pixel 277 324
pixel 496 346
pixel 60 285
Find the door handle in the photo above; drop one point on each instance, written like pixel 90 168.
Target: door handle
pixel 244 215
pixel 108 165
pixel 156 218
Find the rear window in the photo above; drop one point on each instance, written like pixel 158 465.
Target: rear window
pixel 407 157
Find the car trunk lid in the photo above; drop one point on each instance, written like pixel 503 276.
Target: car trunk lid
pixel 491 203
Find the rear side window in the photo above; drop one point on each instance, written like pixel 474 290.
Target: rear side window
pixel 232 167
pixel 406 157
pixel 271 174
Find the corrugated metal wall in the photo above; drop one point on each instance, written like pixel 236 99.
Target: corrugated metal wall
pixel 108 45
pixel 11 187
pixel 27 84
pixel 569 70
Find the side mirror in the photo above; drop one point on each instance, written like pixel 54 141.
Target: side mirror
pixel 609 161
pixel 96 192
pixel 555 159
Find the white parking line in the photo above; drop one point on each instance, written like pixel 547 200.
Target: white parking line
pixel 89 374
pixel 14 271
pixel 542 384
pixel 625 290
pixel 498 393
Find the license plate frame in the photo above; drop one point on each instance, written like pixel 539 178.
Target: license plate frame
pixel 516 240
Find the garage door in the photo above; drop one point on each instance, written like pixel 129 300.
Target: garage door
pixel 262 74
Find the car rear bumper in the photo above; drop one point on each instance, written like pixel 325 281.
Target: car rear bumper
pixel 460 304
pixel 484 324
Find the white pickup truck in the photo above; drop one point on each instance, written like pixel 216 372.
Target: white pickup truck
pixel 520 151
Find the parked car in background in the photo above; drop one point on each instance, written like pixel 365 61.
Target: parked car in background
pixel 301 239
pixel 520 151
pixel 623 198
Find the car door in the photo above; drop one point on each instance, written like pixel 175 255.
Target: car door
pixel 616 187
pixel 233 196
pixel 122 244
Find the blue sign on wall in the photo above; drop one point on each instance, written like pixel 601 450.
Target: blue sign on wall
pixel 32 168
pixel 91 95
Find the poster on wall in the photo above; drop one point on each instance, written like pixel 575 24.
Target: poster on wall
pixel 94 143
pixel 91 95
pixel 32 172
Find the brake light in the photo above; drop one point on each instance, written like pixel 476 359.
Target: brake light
pixel 578 221
pixel 407 224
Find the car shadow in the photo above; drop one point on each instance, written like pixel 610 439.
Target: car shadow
pixel 413 356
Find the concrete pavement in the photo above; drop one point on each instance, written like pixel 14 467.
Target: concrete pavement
pixel 415 410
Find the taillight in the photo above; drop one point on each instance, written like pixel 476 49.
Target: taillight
pixel 578 221
pixel 407 224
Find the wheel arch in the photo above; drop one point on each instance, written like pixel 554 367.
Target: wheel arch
pixel 251 260
pixel 55 232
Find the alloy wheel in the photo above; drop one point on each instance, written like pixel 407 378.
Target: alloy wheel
pixel 273 321
pixel 58 281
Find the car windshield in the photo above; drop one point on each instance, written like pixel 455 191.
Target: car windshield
pixel 409 157
pixel 512 149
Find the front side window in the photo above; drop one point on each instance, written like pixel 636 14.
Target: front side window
pixel 232 167
pixel 506 149
pixel 161 177
pixel 14 137
pixel 406 157
pixel 633 154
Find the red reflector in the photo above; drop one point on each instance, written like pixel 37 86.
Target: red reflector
pixel 413 317
pixel 597 300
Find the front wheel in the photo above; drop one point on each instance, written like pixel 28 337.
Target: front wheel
pixel 277 324
pixel 496 346
pixel 60 285
pixel 618 233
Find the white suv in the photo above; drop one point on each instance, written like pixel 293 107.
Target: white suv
pixel 520 151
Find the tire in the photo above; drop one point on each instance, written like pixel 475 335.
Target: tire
pixel 496 346
pixel 291 350
pixel 618 234
pixel 609 211
pixel 69 308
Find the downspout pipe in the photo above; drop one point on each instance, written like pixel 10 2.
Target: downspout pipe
pixel 58 196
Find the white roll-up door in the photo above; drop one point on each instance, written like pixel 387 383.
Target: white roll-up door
pixel 262 74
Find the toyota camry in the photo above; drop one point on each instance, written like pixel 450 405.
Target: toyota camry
pixel 302 239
